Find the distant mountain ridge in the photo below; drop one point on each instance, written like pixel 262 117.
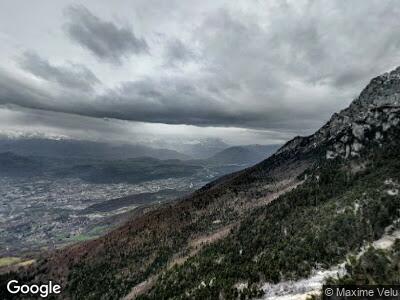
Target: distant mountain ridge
pixel 247 154
pixel 12 164
pixel 67 148
pixel 77 162
pixel 133 170
pixel 64 148
pixel 203 149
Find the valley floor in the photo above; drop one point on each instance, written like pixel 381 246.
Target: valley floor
pixel 45 213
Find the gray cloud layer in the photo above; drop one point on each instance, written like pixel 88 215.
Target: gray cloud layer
pixel 283 66
pixel 176 52
pixel 172 101
pixel 75 76
pixel 104 39
pixel 22 122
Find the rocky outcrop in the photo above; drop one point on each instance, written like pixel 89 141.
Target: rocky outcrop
pixel 371 118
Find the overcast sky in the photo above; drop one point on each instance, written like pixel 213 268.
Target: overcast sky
pixel 158 72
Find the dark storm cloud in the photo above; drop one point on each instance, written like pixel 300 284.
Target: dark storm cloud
pixel 75 76
pixel 173 101
pixel 15 90
pixel 20 92
pixel 105 40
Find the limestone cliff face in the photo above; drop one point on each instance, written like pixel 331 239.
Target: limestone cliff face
pixel 371 118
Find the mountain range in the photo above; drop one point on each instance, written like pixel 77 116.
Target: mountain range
pixel 307 207
pixel 50 159
pixel 249 154
pixel 67 148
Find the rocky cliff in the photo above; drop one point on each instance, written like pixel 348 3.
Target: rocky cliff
pixel 369 119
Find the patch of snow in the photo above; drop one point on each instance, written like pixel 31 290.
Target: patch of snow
pixel 347 151
pixel 211 282
pixel 330 155
pixel 387 240
pixel 341 210
pixel 301 289
pixel 285 233
pixel 241 286
pixel 356 207
pixel 356 147
pixel 385 126
pixel 392 192
pixel 389 181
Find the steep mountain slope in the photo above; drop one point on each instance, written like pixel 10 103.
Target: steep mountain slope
pixel 333 213
pixel 315 200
